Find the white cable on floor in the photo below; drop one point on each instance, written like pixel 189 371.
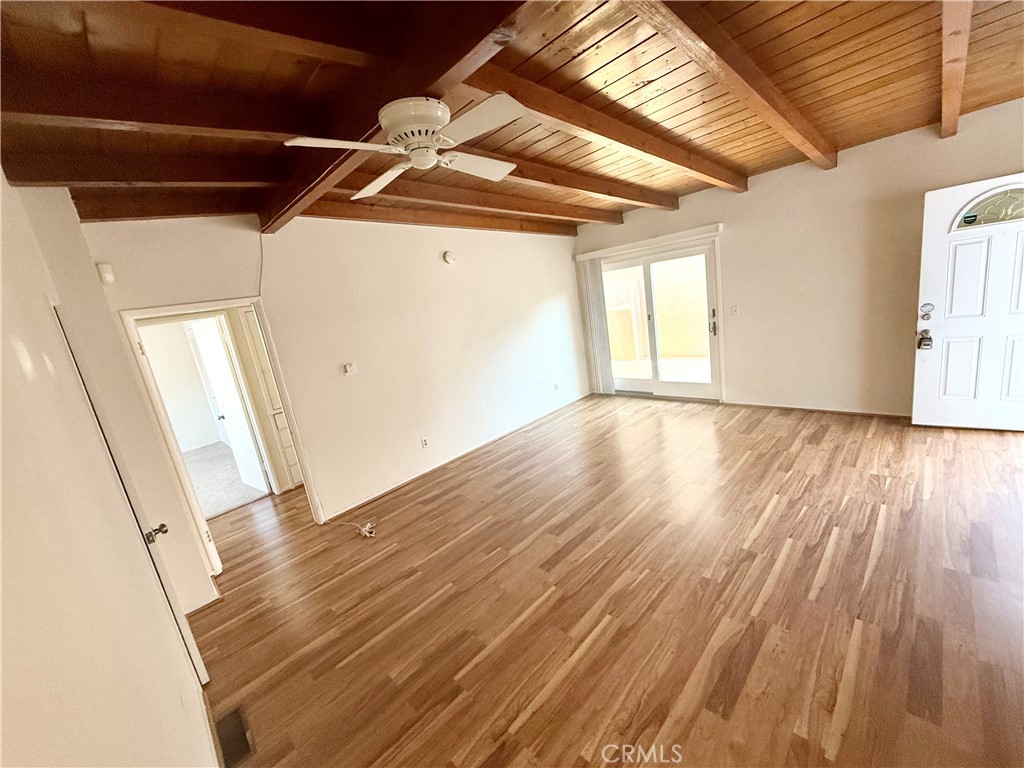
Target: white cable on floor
pixel 366 529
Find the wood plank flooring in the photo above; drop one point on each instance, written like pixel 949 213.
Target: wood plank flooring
pixel 724 585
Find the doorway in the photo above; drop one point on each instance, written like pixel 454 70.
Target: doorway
pixel 224 417
pixel 207 405
pixel 662 323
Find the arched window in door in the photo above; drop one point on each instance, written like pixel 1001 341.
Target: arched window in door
pixel 996 207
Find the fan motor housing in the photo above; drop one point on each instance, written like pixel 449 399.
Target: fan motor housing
pixel 414 121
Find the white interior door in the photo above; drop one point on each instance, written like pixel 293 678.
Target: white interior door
pixel 208 334
pixel 81 452
pixel 970 345
pixel 662 319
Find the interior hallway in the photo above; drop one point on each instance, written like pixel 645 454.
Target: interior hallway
pixel 759 586
pixel 215 477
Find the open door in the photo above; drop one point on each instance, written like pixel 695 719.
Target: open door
pixel 970 317
pixel 209 335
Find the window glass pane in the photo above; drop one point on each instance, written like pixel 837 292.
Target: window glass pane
pixel 680 291
pixel 998 207
pixel 626 313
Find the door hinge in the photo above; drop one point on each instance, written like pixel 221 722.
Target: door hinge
pixel 713 325
pixel 142 349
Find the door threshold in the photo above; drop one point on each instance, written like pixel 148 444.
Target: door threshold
pixel 674 398
pixel 240 506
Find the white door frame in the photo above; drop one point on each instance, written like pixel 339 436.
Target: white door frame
pixel 130 319
pixel 704 240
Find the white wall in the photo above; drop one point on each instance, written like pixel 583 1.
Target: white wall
pixel 115 384
pixel 823 265
pixel 160 263
pixel 181 388
pixel 458 354
pixel 178 261
pixel 94 672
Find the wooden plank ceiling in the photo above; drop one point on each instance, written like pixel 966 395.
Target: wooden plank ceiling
pixel 149 110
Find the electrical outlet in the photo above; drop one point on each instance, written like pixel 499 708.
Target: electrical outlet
pixel 424 442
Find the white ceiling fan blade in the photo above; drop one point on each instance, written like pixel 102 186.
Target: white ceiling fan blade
pixel 474 165
pixel 383 180
pixel 494 112
pixel 308 141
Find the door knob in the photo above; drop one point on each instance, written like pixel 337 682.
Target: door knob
pixel 151 535
pixel 924 339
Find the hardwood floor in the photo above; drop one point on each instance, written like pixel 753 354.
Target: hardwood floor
pixel 737 586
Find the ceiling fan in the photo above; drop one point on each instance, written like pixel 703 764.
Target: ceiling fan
pixel 419 126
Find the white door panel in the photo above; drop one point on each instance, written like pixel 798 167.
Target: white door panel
pixel 972 372
pixel 1013 369
pixel 967 278
pixel 959 368
pixel 1018 268
pixel 209 338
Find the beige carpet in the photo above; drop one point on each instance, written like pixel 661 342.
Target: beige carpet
pixel 216 480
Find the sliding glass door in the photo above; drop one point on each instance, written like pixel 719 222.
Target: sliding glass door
pixel 662 323
pixel 625 302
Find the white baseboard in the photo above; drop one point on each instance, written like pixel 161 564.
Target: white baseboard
pixel 788 407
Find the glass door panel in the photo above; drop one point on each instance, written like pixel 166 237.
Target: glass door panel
pixel 625 300
pixel 681 317
pixel 662 321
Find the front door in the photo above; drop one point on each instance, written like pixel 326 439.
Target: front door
pixel 970 343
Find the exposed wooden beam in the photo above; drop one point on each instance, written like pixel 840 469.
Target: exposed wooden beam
pixel 362 212
pixel 449 40
pixel 695 32
pixel 533 174
pixel 34 99
pixel 956 33
pixel 436 194
pixel 127 204
pixel 335 32
pixel 91 170
pixel 558 111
